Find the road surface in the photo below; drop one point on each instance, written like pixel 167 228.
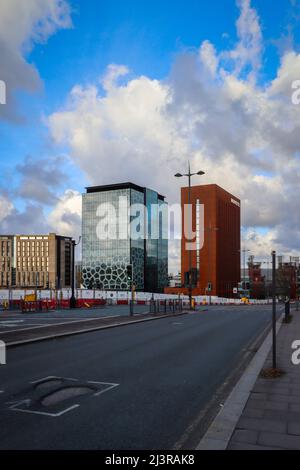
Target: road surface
pixel 146 383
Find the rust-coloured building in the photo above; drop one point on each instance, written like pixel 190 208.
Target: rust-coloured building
pixel 258 285
pixel 218 261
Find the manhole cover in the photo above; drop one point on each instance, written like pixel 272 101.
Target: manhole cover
pixel 65 394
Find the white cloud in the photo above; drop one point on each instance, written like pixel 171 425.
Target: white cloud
pixel 245 136
pixel 248 52
pixel 23 23
pixel 65 218
pixel 123 135
pixel 288 72
pixel 208 57
pixel 6 207
pixel 114 72
pixel 210 110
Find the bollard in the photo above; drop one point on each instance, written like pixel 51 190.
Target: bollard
pixel 287 309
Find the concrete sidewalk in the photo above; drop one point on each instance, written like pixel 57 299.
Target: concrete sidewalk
pixel 271 417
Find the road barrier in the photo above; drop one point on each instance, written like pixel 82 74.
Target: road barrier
pixel 46 305
pixel 166 306
pixel 86 298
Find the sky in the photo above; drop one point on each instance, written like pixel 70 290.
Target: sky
pixel 104 91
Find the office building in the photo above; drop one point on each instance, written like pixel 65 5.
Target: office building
pixel 124 224
pixel 35 261
pixel 215 264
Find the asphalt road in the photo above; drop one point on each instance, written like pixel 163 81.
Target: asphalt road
pixel 160 376
pixel 12 321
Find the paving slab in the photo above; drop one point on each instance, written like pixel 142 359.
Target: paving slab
pixel 273 420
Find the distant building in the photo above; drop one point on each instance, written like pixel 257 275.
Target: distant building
pixel 287 279
pixel 215 266
pixel 78 274
pixel 175 280
pixel 257 280
pixel 35 261
pixel 105 259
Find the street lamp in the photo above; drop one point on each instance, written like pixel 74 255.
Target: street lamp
pixel 73 298
pixel 189 176
pixel 244 253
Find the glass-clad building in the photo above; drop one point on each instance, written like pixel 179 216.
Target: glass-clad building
pixel 124 224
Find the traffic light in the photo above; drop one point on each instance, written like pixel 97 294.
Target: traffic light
pixel 194 277
pixel 129 272
pixel 191 278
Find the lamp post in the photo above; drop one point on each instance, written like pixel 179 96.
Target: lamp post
pixel 189 176
pixel 274 309
pixel 73 298
pixel 244 254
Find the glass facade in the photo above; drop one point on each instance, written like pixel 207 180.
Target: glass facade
pixel 137 246
pixel 163 245
pixel 116 232
pixel 105 256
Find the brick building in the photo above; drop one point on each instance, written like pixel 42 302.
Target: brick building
pixel 258 286
pixel 216 265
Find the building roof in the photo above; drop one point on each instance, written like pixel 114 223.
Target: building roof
pixel 215 187
pixel 115 187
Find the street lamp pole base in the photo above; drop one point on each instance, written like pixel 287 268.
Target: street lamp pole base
pixel 73 302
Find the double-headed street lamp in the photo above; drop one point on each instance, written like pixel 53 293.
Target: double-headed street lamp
pixel 189 176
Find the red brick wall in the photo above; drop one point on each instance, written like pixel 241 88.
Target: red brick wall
pixel 220 255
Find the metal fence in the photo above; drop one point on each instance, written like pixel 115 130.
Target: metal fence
pixel 166 306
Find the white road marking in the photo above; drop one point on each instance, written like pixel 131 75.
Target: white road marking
pixel 45 378
pixel 53 415
pixel 59 324
pixel 11 325
pixel 103 383
pixel 15 406
pixel 3 322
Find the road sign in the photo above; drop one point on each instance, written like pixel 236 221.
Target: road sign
pixel 235 290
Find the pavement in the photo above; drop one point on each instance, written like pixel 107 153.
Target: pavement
pixel 149 385
pixel 271 417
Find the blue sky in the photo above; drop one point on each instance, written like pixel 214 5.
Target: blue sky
pixel 145 36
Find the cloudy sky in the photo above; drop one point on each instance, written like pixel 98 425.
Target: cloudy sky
pixel 103 91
